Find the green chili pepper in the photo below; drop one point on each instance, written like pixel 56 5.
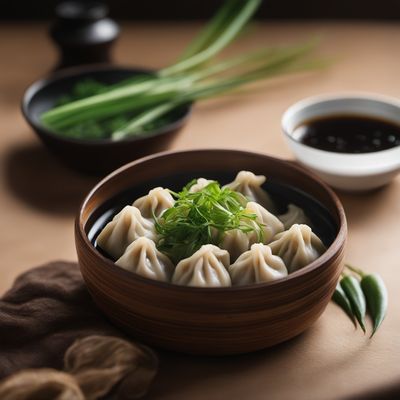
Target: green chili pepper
pixel 376 294
pixel 340 298
pixel 354 293
pixel 377 298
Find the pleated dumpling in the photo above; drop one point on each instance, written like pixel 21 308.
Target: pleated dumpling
pixel 250 186
pixel 207 267
pixel 200 184
pixel 270 224
pixel 127 226
pixel 236 241
pixel 155 202
pixel 293 215
pixel 257 265
pixel 143 258
pixel 297 246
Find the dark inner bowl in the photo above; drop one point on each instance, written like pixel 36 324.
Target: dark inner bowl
pixel 44 94
pixel 322 222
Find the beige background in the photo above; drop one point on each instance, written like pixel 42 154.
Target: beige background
pixel 39 197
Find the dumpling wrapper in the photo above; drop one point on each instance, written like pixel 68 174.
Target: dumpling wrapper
pixel 127 226
pixel 237 242
pixel 271 225
pixel 207 267
pixel 294 215
pixel 143 258
pixel 297 246
pixel 249 185
pixel 155 202
pixel 257 265
pixel 200 185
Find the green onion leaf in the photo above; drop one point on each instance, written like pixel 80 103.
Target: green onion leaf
pixel 201 218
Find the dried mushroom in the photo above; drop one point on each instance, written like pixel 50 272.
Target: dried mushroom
pixel 43 384
pixel 98 363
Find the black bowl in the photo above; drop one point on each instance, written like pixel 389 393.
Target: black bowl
pixel 96 156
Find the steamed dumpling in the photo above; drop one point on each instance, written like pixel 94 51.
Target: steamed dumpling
pixel 271 225
pixel 143 258
pixel 127 226
pixel 200 185
pixel 237 242
pixel 155 202
pixel 250 186
pixel 297 246
pixel 293 215
pixel 257 265
pixel 207 267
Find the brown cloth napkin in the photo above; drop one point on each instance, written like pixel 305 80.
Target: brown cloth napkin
pixel 41 316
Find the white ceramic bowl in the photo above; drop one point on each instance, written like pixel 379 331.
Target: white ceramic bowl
pixel 350 172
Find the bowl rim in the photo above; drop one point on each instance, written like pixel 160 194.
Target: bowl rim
pixel 75 71
pixel 310 101
pixel 343 164
pixel 330 252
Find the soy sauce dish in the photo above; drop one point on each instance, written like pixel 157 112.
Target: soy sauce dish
pixel 351 141
pixel 189 253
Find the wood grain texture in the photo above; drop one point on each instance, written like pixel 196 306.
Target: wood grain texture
pixel 210 321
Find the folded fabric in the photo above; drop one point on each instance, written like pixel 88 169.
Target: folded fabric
pixel 44 313
pixel 94 367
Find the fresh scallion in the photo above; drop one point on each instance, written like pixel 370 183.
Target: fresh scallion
pixel 201 218
pixel 144 99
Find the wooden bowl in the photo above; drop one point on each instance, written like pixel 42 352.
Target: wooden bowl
pixel 212 321
pixel 101 155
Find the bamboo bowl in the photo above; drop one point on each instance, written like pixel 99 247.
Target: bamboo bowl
pixel 212 321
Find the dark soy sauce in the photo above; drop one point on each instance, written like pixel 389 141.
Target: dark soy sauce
pixel 348 134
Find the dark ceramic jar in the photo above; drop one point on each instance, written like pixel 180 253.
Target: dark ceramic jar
pixel 83 33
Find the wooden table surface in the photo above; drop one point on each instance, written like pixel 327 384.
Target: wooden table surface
pixel 39 198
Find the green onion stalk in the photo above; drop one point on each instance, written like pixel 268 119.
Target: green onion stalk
pixel 195 76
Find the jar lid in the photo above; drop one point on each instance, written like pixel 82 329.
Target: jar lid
pixel 81 10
